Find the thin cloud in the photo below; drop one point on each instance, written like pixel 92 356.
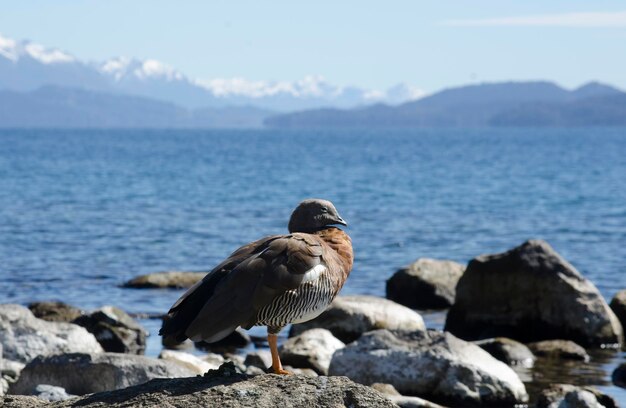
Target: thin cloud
pixel 587 19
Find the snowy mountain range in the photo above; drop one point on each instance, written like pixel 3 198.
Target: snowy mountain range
pixel 26 66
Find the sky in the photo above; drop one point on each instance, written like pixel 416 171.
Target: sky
pixel 373 44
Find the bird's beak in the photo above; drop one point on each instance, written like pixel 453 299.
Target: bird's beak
pixel 340 220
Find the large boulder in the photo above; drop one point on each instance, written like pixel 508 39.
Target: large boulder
pixel 312 349
pixel 350 316
pixel 115 330
pixel 571 396
pixel 170 279
pixel 55 311
pixel 425 284
pixel 25 337
pixel 432 365
pixel 529 294
pixel 87 373
pixel 618 305
pixel 232 390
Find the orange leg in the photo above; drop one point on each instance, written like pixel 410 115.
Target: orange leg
pixel 272 339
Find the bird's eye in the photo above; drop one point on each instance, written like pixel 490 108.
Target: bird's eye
pixel 324 209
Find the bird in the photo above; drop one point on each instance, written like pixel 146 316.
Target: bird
pixel 273 281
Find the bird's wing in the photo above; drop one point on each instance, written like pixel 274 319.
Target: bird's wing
pixel 281 264
pixel 186 308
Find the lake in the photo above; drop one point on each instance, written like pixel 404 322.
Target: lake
pixel 82 211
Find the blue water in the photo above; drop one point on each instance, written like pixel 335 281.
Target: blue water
pixel 83 211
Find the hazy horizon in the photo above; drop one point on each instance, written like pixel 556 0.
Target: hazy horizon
pixel 428 46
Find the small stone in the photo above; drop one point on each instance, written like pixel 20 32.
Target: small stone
pixel 189 361
pixel 115 330
pixel 559 349
pixel 55 311
pixel 312 349
pixel 170 279
pixel 618 305
pixel 619 375
pixel 51 393
pixel 571 396
pixel 261 359
pixel 508 351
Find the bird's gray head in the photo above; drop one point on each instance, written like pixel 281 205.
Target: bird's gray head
pixel 314 214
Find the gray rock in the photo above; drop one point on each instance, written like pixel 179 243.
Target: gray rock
pixel 530 294
pixel 425 284
pixel 559 349
pixel 25 337
pixel 115 330
pixel 87 373
pixel 170 279
pixel 508 351
pixel 619 375
pixel 55 311
pixel 312 349
pixel 571 396
pixel 260 359
pixel 432 365
pixel 11 369
pixel 618 305
pixel 51 393
pixel 350 316
pixel 237 391
pixel 401 400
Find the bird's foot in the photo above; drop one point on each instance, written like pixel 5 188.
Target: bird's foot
pixel 280 371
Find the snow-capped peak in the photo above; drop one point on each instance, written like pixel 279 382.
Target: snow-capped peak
pixel 14 50
pixel 124 68
pixel 308 87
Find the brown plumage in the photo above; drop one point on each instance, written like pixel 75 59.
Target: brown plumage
pixel 274 281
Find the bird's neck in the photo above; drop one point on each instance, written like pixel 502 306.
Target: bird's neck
pixel 341 243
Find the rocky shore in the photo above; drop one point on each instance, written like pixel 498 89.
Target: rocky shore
pixel 510 314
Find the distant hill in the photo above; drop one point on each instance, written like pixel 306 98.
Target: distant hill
pixel 495 104
pixel 60 107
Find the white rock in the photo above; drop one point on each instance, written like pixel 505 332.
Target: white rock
pixel 189 361
pixel 25 337
pixel 312 349
pixel 350 316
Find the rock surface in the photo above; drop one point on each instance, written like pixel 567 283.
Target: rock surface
pixel 170 279
pixel 529 294
pixel 618 305
pixel 348 317
pixel 312 349
pixel 55 311
pixel 115 330
pixel 425 284
pixel 508 351
pixel 260 359
pixel 232 391
pixel 432 365
pixel 571 396
pixel 24 337
pixel 84 373
pixel 560 349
